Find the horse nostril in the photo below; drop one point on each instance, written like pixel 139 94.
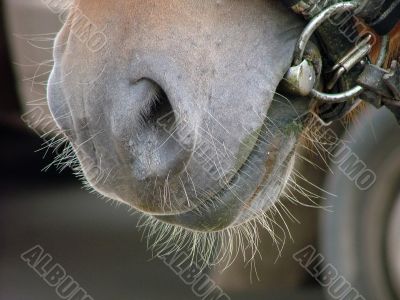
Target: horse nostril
pixel 158 149
pixel 160 112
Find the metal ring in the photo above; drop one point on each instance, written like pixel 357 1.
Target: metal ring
pixel 317 22
pixel 339 97
pixel 305 38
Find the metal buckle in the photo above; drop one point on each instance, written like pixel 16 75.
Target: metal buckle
pixel 356 55
pixel 302 74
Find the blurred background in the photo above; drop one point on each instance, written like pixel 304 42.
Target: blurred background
pixel 99 244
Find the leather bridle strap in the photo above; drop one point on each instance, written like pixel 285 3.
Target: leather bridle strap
pixel 387 18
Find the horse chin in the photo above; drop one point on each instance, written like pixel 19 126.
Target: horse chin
pixel 234 207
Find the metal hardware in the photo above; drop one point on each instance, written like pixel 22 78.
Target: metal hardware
pixel 338 97
pixel 305 38
pixel 392 81
pixel 317 22
pixel 382 87
pixel 301 80
pixel 352 58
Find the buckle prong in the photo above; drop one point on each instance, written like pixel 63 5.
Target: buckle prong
pixel 352 58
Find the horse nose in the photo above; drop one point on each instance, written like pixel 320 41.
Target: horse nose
pixel 161 142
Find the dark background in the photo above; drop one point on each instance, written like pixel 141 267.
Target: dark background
pixel 98 242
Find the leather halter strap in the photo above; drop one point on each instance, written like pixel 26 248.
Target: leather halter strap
pixel 387 18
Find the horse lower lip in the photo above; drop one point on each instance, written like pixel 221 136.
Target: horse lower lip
pixel 223 210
